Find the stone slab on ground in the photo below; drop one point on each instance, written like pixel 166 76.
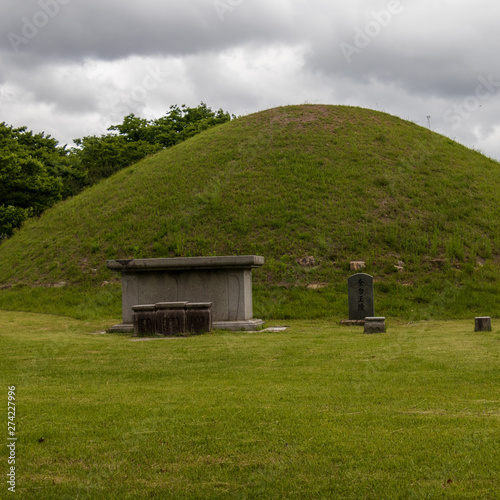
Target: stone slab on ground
pixel 248 325
pixel 270 330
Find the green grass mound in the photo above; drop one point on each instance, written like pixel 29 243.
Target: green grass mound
pixel 332 182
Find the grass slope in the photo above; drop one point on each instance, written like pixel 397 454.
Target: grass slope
pixel 337 183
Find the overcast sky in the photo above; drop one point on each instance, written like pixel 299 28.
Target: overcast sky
pixel 74 67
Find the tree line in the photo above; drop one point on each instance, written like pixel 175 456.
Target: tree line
pixel 36 173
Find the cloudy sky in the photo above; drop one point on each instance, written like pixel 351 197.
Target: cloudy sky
pixel 74 67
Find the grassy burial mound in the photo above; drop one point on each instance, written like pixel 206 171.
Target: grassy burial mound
pixel 334 183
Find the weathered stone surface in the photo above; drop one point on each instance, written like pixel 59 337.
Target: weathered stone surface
pixel 357 265
pixel 187 263
pixel 306 261
pixel 144 319
pixel 121 328
pixel 400 266
pixel 171 318
pixel 374 325
pixel 198 317
pixel 224 281
pixel 360 295
pixel 316 286
pixel 249 325
pixel 483 324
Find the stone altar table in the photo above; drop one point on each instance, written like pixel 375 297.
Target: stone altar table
pixel 224 281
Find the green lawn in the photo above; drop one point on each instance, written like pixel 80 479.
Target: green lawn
pixel 316 411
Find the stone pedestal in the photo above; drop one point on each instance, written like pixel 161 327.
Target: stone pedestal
pixel 198 317
pixel 483 324
pixel 375 325
pixel 171 318
pixel 144 320
pixel 226 282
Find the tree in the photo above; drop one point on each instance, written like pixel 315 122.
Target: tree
pixel 176 126
pixel 35 172
pixel 57 160
pixel 26 190
pixel 102 156
pixel 137 137
pixel 10 219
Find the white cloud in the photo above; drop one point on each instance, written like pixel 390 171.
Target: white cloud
pixel 93 62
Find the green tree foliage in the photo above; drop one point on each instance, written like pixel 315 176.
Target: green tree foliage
pixel 176 126
pixel 137 137
pixel 29 179
pixel 35 172
pixel 23 143
pixel 102 156
pixel 11 218
pixel 26 189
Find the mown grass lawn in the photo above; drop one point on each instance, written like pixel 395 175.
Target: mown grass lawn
pixel 316 411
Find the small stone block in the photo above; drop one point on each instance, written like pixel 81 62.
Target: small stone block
pixel 357 265
pixel 198 317
pixel 144 319
pixel 375 325
pixel 483 324
pixel 171 318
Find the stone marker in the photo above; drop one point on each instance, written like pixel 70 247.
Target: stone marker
pixel 307 261
pixel 483 324
pixel 360 295
pixel 171 318
pixel 357 265
pixel 198 317
pixel 144 319
pixel 374 325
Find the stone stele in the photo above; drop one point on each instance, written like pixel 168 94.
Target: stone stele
pixel 360 296
pixel 224 281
